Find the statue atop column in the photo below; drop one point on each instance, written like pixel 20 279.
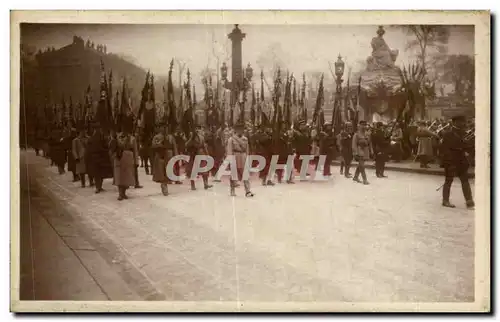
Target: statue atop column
pixel 382 56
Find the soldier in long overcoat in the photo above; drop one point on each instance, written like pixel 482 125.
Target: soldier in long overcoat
pixel 425 150
pixel 328 147
pixel 264 147
pixel 344 143
pixel 196 145
pixel 58 153
pixel 97 159
pixel 302 143
pixel 164 149
pixel 180 142
pixel 380 143
pixel 79 146
pixel 68 148
pixel 455 152
pixel 125 156
pixel 237 146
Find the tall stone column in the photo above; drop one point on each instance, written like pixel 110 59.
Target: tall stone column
pixel 236 37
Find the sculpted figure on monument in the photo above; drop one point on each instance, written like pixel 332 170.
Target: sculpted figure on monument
pixel 382 56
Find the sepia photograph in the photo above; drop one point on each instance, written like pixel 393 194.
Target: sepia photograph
pixel 250 161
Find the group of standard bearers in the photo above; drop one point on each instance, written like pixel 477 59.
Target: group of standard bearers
pixel 116 155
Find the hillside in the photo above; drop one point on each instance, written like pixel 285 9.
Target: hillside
pixel 69 70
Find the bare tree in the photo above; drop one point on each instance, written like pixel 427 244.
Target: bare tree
pixel 429 40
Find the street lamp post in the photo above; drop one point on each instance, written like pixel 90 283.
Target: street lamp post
pixel 339 72
pixel 240 81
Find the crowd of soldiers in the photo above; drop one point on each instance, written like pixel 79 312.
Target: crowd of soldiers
pixel 91 153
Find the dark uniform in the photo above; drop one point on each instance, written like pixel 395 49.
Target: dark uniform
pixel 68 149
pixel 180 142
pixel 455 161
pixel 301 142
pixel 327 147
pixel 345 146
pixel 264 147
pixel 97 158
pixel 381 144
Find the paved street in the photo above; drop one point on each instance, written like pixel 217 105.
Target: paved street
pixel 312 241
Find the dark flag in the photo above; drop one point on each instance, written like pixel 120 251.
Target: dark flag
pixel 116 109
pixel 303 98
pixel 71 113
pixel 149 111
pixel 103 109
pixel 172 111
pixel 144 96
pixel 319 103
pixel 187 116
pixel 110 95
pixel 252 109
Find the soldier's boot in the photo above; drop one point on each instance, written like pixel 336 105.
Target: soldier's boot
pixel 136 175
pixel 270 183
pixel 164 189
pixel 91 181
pixel 193 185
pixel 232 190
pixel 447 203
pixel 342 167
pixel 470 204
pixel 356 175
pixel 246 184
pixel 205 182
pixel 76 178
pixel 121 193
pixel 363 175
pixel 82 180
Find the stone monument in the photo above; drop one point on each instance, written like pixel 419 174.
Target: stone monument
pixel 380 81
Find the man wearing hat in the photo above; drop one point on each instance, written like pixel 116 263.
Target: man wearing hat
pixel 425 150
pixel 301 143
pixel 125 157
pixel 381 144
pixel 79 146
pixel 70 135
pixel 164 149
pixel 344 142
pixel 196 145
pixel 327 145
pixel 97 159
pixel 455 161
pixel 361 148
pixel 264 147
pixel 237 146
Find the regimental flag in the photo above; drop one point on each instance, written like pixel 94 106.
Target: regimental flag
pixel 71 113
pixel 103 113
pixel 88 105
pixel 171 108
pixel 187 122
pixel 320 99
pixel 147 112
pixel 252 108
pixel 116 109
pixel 63 112
pixel 110 94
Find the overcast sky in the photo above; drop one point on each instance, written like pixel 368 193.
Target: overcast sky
pixel 303 48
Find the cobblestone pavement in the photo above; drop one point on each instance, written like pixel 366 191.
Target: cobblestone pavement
pixel 312 241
